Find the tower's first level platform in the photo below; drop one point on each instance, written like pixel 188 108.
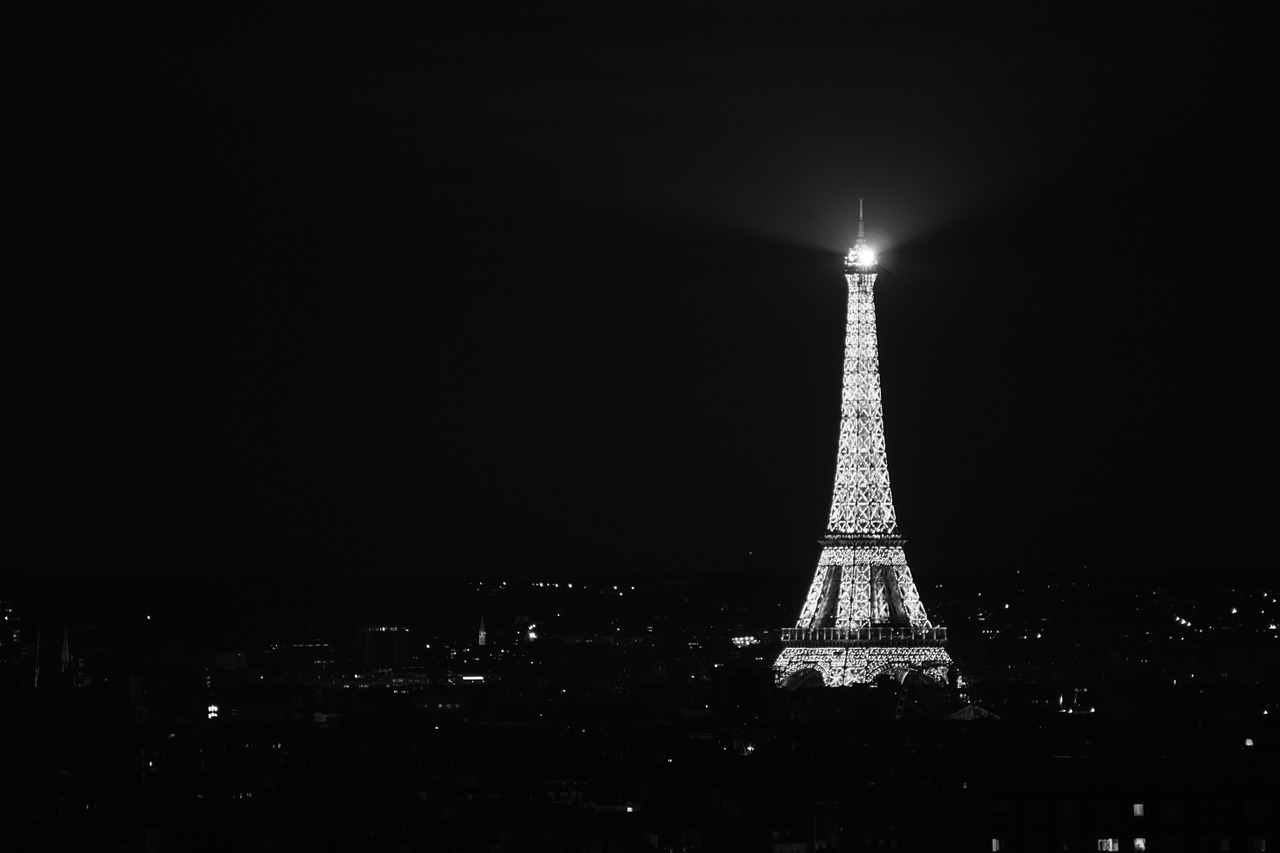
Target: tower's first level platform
pixel 870 635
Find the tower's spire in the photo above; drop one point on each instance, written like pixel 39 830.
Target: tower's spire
pixel 860 258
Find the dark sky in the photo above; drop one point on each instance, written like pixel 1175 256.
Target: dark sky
pixel 547 290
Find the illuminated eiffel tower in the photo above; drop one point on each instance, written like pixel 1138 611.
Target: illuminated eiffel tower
pixel 862 616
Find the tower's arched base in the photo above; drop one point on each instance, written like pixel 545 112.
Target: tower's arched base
pixel 843 666
pixel 807 677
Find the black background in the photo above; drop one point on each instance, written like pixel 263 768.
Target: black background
pixel 531 291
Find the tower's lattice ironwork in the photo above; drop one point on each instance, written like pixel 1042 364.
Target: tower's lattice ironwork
pixel 862 616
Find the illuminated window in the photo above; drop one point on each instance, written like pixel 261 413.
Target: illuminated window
pixel 1139 845
pixel 1111 845
pixel 1138 811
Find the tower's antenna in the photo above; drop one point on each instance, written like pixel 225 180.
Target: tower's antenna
pixel 860 257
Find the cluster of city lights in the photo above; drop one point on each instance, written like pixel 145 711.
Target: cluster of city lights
pixel 501 585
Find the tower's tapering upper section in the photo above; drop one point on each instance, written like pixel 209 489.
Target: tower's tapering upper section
pixel 862 501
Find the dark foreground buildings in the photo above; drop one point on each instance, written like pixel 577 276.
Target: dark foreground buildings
pixel 634 716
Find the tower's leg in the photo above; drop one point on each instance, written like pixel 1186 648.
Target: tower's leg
pixel 876 589
pixel 813 602
pixel 855 596
pixel 912 606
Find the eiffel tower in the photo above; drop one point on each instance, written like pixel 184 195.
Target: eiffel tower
pixel 863 616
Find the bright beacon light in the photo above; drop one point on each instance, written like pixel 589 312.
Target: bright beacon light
pixel 861 256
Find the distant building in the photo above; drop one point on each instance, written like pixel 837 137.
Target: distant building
pixel 385 647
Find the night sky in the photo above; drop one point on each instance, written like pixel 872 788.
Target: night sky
pixel 551 290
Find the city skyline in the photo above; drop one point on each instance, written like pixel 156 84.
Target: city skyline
pixel 414 299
